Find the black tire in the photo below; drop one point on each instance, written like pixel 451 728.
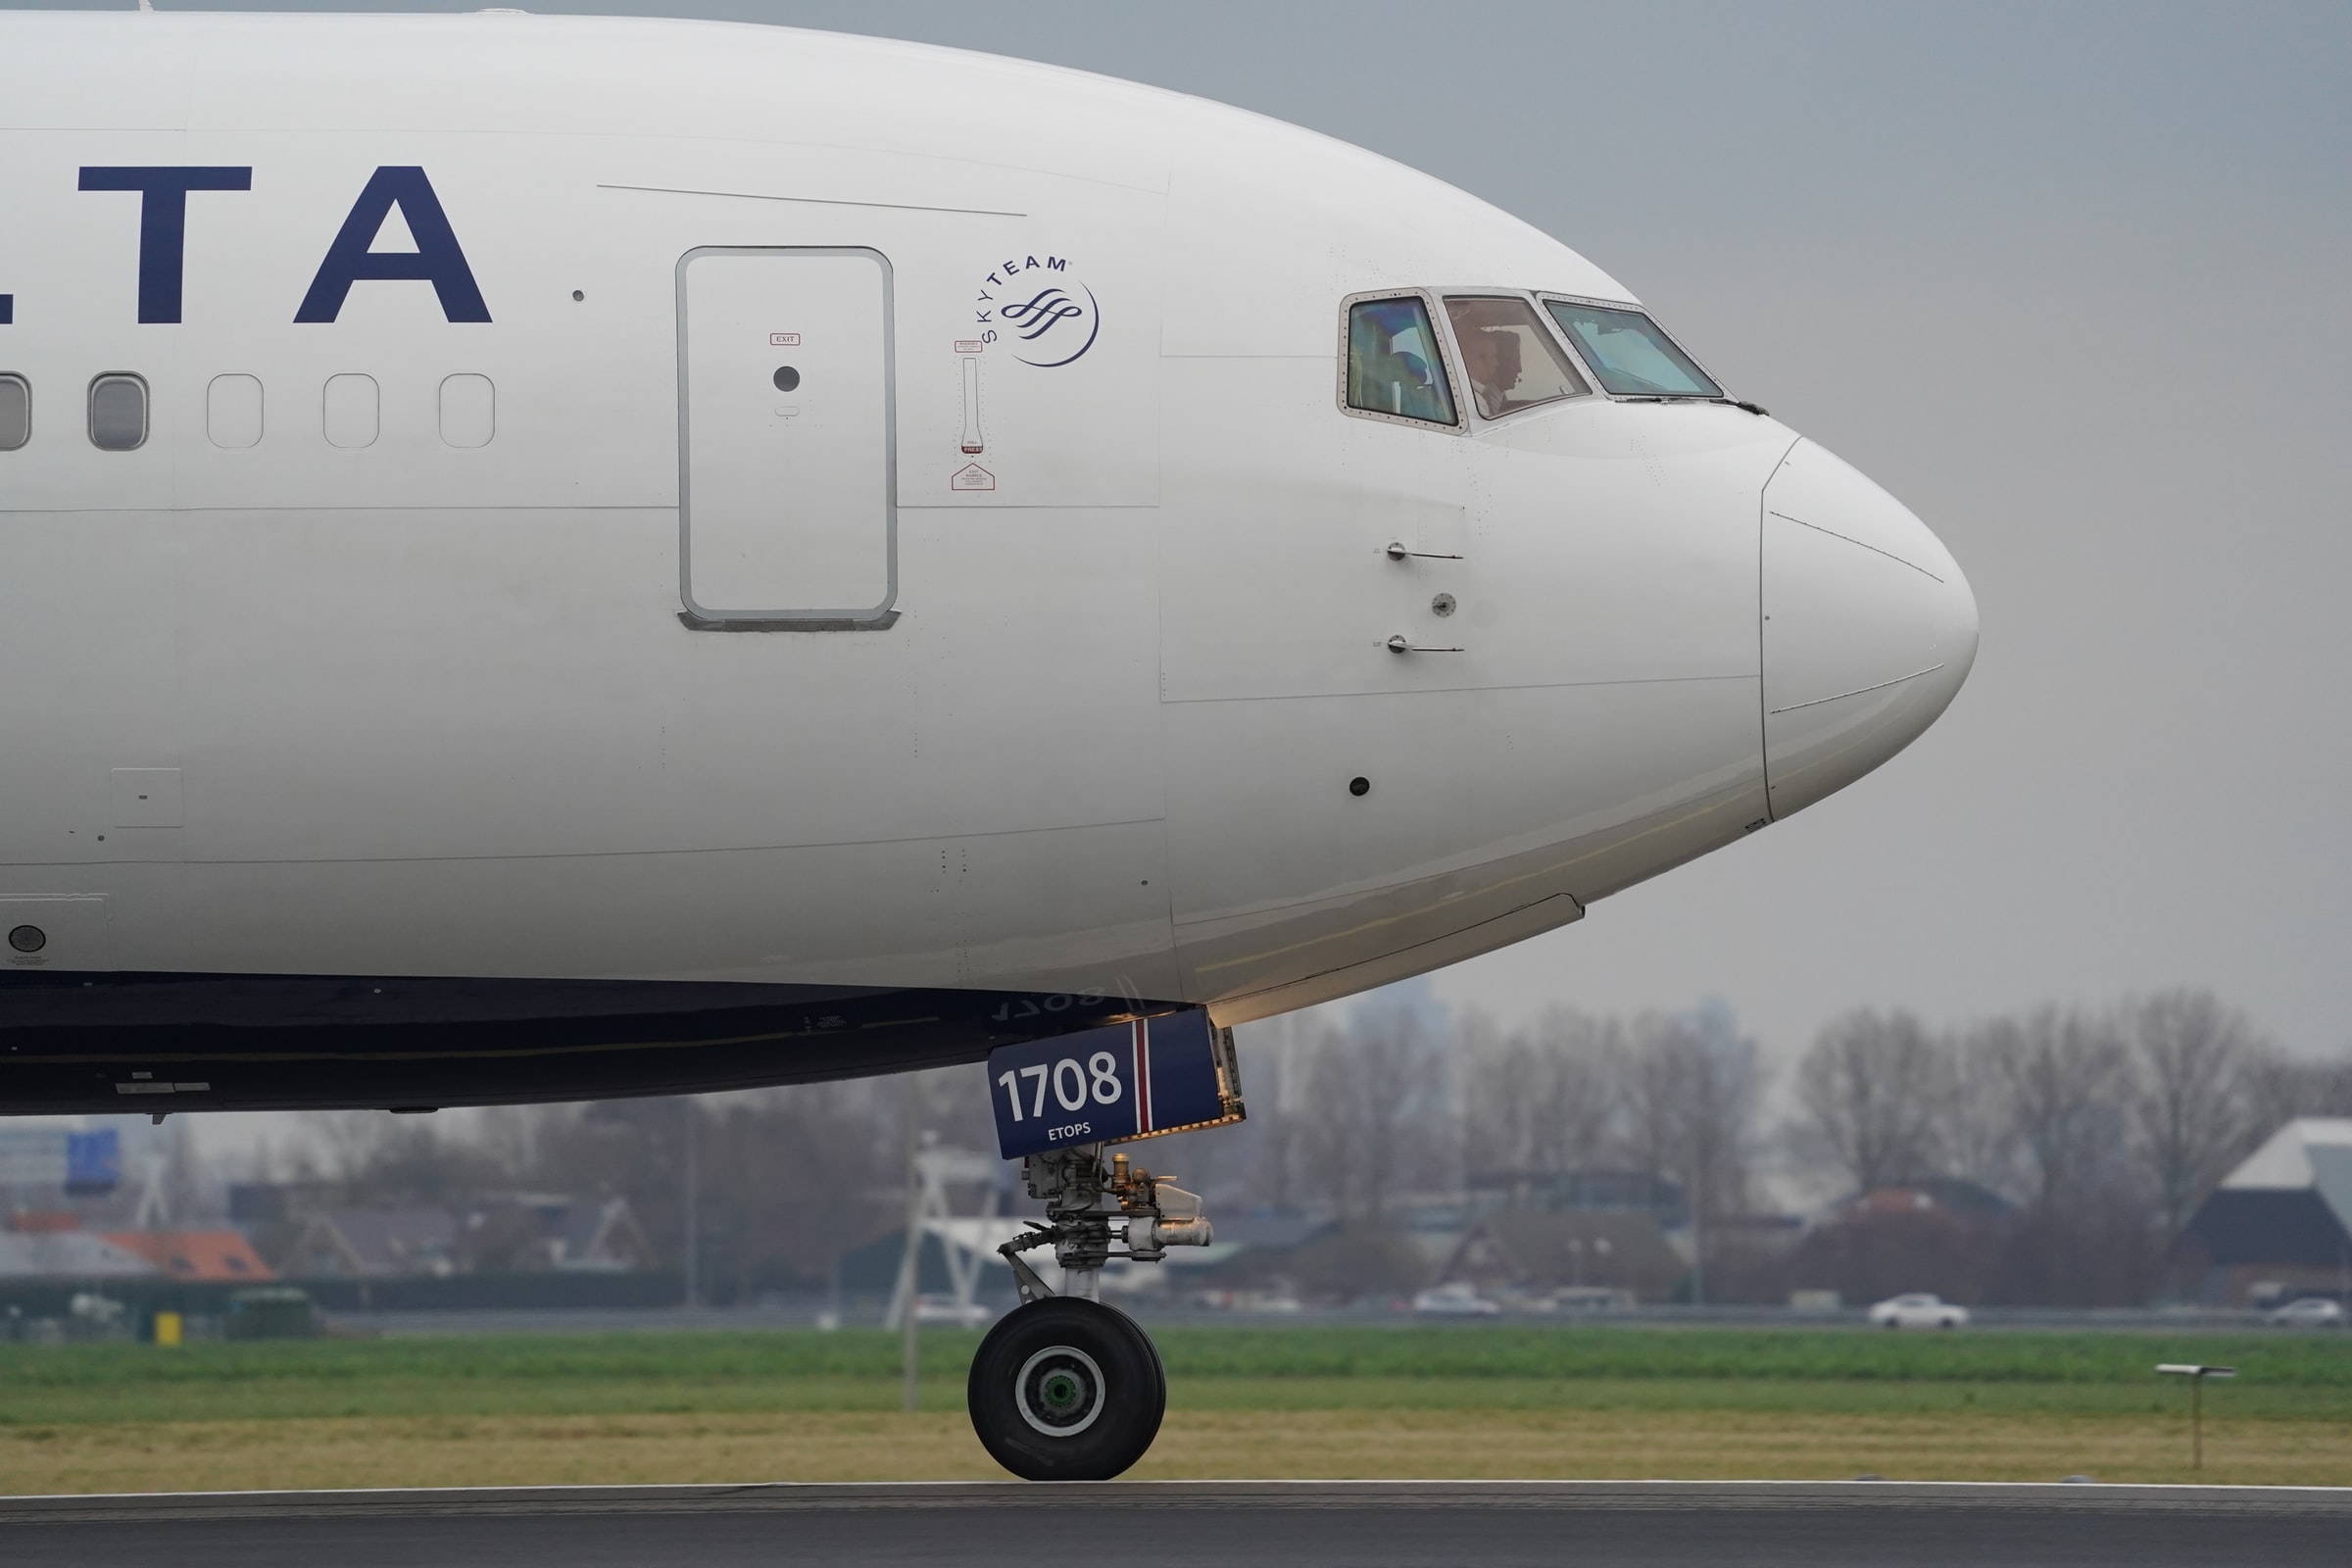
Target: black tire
pixel 1159 1379
pixel 1066 1389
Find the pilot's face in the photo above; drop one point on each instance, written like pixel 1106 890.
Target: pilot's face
pixel 1483 356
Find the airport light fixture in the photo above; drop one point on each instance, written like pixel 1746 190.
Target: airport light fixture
pixel 2196 1375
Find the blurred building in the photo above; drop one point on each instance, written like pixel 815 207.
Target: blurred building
pixel 527 1231
pixel 1949 1194
pixel 67 1254
pixel 1943 1234
pixel 1517 1253
pixel 515 1233
pixel 52 1248
pixel 1581 1189
pixel 2280 1225
pixel 210 1256
pixel 347 1243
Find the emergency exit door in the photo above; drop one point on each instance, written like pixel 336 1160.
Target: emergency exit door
pixel 787 504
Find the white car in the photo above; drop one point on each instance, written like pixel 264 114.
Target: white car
pixel 1918 1310
pixel 2308 1312
pixel 931 1309
pixel 1454 1301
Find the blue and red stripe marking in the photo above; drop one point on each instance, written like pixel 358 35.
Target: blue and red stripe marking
pixel 1141 1034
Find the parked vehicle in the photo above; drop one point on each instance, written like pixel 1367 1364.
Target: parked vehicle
pixel 1590 1299
pixel 2308 1312
pixel 1454 1300
pixel 930 1310
pixel 1918 1310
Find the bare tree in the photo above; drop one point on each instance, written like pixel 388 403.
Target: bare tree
pixel 1974 1130
pixel 2063 1077
pixel 1277 1062
pixel 1333 1139
pixel 1496 1082
pixel 1539 1099
pixel 1652 1091
pixel 2086 1234
pixel 2188 1102
pixel 2278 1088
pixel 1870 1093
pixel 1718 1133
pixel 391 1161
pixel 1402 1080
pixel 1375 1111
pixel 1693 1087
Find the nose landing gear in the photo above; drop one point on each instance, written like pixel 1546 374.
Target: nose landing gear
pixel 1064 1388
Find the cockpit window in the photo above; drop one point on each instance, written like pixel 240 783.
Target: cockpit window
pixel 1511 362
pixel 1393 365
pixel 1629 354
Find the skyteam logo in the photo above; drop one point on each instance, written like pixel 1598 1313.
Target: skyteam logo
pixel 1046 316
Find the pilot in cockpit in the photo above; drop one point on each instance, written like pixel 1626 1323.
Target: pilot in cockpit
pixel 1491 356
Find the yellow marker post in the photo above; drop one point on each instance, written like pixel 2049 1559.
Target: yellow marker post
pixel 167 1328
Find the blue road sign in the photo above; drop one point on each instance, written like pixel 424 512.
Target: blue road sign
pixel 1101 1086
pixel 82 1163
pixel 94 1161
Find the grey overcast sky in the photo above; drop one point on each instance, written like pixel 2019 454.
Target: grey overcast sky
pixel 2072 280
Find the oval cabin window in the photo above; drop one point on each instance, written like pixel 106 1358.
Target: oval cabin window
pixel 15 412
pixel 352 411
pixel 232 411
pixel 469 410
pixel 117 413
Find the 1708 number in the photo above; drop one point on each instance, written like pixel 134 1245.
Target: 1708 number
pixel 1074 1086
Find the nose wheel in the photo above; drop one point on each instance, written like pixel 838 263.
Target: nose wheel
pixel 1066 1389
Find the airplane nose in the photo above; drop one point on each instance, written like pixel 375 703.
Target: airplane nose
pixel 1869 627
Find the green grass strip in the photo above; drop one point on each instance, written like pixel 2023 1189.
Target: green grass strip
pixel 1472 1351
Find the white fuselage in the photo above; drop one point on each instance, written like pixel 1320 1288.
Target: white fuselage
pixel 570 643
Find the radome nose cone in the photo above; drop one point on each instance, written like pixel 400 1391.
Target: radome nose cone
pixel 1869 627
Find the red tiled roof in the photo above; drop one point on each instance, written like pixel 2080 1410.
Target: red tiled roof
pixel 39 1222
pixel 218 1255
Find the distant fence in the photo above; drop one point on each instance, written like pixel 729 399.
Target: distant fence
pixel 421 1292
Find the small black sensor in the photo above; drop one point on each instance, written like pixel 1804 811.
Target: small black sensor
pixel 787 378
pixel 1359 786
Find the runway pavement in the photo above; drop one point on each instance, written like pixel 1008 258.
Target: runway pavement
pixel 1229 1524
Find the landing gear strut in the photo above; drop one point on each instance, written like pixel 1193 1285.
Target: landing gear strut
pixel 1064 1388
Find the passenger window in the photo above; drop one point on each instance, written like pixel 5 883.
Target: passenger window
pixel 351 412
pixel 117 413
pixel 1511 362
pixel 233 411
pixel 1393 365
pixel 15 412
pixel 469 410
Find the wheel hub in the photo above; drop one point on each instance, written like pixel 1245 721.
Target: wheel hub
pixel 1059 1391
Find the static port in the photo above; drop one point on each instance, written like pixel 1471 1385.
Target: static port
pixel 1359 786
pixel 28 938
pixel 787 378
